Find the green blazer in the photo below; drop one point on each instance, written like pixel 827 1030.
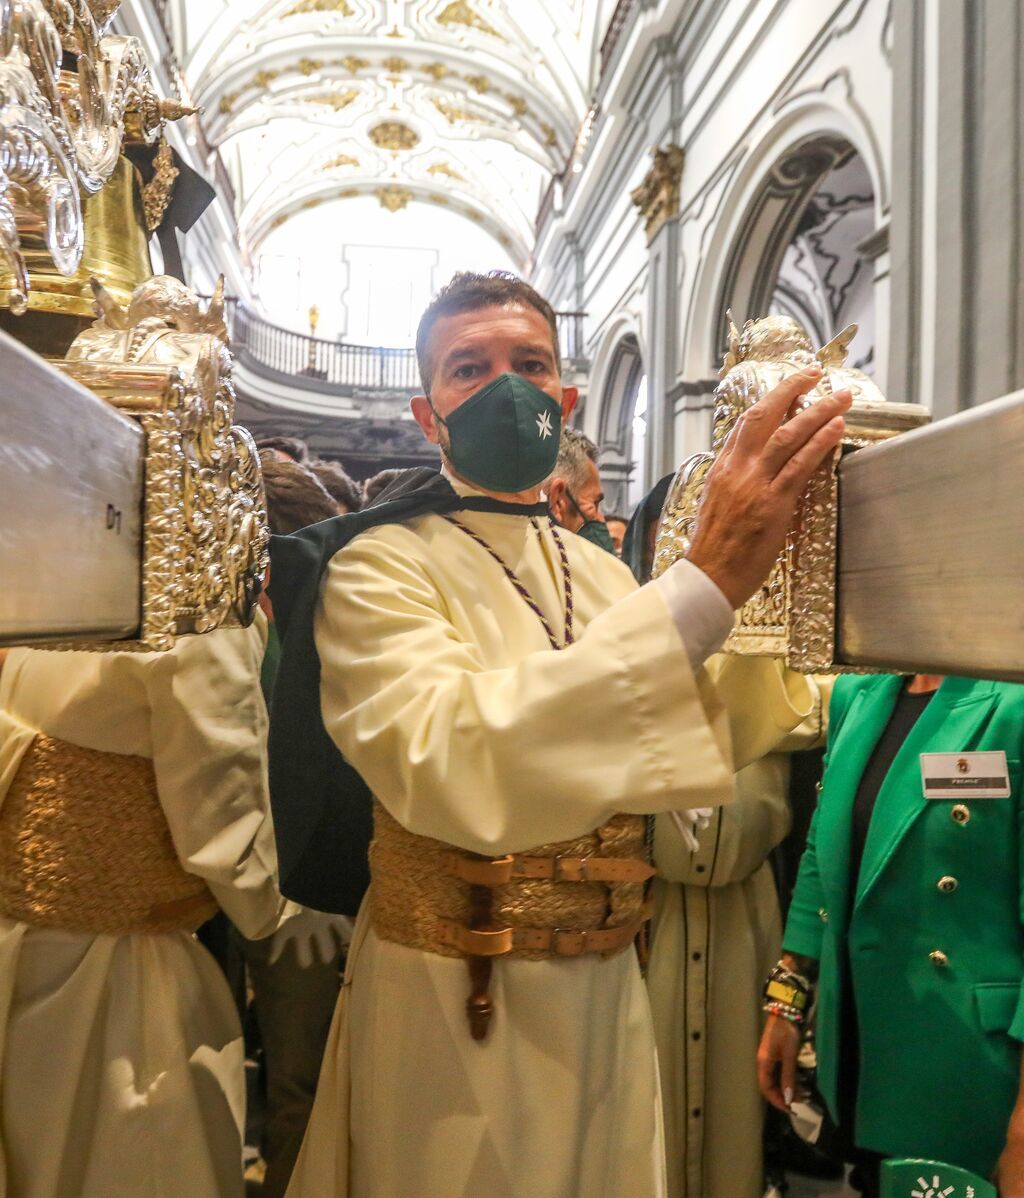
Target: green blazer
pixel 940 1037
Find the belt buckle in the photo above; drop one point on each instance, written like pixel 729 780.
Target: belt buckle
pixel 583 874
pixel 579 936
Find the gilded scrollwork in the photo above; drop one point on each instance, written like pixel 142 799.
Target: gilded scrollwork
pixel 164 360
pixel 793 615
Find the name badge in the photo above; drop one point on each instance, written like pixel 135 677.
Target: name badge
pixel 965 775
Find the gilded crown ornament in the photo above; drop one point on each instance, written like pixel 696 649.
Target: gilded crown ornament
pixel 793 615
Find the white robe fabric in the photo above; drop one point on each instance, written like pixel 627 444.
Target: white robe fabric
pixel 715 934
pixel 439 685
pixel 121 1060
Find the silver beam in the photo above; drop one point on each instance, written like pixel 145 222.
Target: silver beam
pixel 931 548
pixel 70 507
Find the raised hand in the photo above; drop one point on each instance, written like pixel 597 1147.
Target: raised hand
pixel 753 487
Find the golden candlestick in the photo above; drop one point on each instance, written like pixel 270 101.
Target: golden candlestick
pixel 314 320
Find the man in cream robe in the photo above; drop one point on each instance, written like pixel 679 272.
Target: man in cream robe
pixel 121 1059
pixel 715 934
pixel 440 686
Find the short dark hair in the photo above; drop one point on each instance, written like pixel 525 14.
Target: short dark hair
pixel 338 485
pixel 380 481
pixel 291 447
pixel 295 497
pixel 468 292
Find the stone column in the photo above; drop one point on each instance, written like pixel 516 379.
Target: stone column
pixel 957 237
pixel 657 199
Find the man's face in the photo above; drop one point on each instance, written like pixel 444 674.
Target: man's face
pixel 470 349
pixel 617 531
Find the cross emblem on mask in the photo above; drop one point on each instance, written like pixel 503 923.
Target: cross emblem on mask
pixel 544 428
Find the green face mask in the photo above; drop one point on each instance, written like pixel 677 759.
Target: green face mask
pixel 505 437
pixel 594 531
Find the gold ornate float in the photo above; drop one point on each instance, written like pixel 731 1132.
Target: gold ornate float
pixel 793 616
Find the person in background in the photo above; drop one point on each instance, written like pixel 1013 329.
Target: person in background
pixel 642 530
pixel 285 449
pixel 379 482
pixel 133 803
pixel 346 493
pixel 716 926
pixel 295 974
pixel 906 927
pixel 574 489
pixel 617 526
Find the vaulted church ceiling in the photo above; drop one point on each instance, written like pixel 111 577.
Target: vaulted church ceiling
pixel 468 104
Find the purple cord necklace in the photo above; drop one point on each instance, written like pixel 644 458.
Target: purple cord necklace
pixel 520 586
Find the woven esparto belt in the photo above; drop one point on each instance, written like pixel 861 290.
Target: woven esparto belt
pixel 85 846
pixel 561 900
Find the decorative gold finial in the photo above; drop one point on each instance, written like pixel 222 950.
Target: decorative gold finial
pixel 657 197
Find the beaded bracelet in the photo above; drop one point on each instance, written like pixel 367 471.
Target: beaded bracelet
pixel 785 1011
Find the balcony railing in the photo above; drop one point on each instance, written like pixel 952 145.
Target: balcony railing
pixel 338 366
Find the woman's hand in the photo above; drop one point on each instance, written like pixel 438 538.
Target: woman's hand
pixel 776 1063
pixel 1009 1175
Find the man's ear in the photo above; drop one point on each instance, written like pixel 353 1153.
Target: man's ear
pixel 424 417
pixel 555 491
pixel 569 397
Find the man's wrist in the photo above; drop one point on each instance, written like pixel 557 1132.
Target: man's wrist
pixel 701 612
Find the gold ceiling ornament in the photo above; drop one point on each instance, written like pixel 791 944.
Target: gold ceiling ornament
pixel 479 83
pixel 395 65
pixel 336 100
pixel 338 162
pixel 62 132
pixel 228 101
pixel 793 615
pixel 394 136
pixel 446 170
pixel 657 197
pixel 460 12
pixel 340 8
pixel 164 361
pixel 309 66
pixel 156 195
pixel 436 70
pixel 278 220
pixel 263 79
pixel 393 197
pixel 550 137
pixel 517 104
pixel 455 115
pixel 353 63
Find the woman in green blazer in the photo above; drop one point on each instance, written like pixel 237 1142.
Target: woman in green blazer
pixel 909 913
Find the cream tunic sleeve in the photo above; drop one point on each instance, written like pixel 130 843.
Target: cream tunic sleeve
pixel 500 758
pixel 209 743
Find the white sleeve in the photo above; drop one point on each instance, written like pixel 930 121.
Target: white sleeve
pixel 701 612
pixel 209 730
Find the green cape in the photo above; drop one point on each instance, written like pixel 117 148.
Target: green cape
pixel 323 810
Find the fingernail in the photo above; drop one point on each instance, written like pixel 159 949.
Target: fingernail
pixel 787 1094
pixel 812 372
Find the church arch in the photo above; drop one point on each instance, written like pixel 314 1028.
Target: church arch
pixel 795 234
pixel 611 422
